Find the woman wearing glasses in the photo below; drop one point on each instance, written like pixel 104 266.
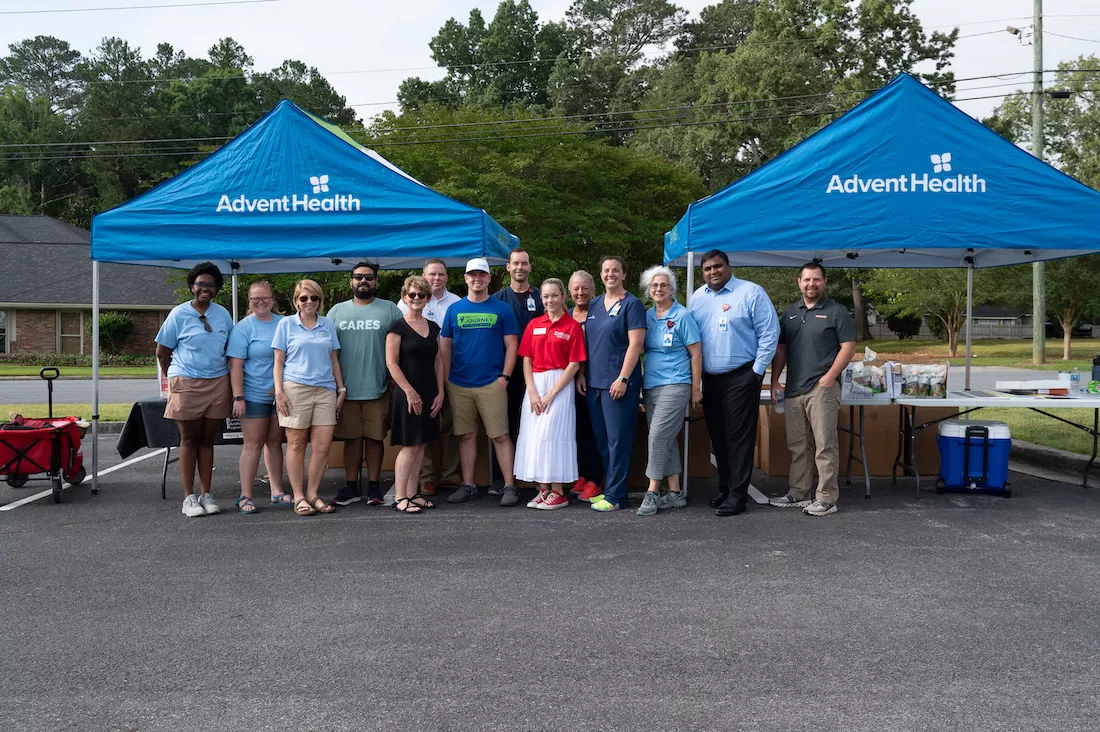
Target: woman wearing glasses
pixel 191 352
pixel 251 372
pixel 309 391
pixel 412 357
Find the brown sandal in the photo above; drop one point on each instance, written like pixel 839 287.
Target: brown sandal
pixel 320 506
pixel 302 508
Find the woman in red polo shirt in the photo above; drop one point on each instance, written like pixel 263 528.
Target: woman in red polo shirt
pixel 552 349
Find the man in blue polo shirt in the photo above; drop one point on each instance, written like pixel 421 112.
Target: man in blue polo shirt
pixel 739 331
pixel 526 303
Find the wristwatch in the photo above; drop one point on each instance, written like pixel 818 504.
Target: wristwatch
pixel 342 390
pixel 506 377
pixel 624 379
pixel 238 399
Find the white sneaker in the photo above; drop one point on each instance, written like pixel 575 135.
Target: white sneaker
pixel 191 507
pixel 788 501
pixel 208 506
pixel 819 508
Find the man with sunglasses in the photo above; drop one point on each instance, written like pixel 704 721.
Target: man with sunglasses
pixel 361 326
pixel 817 339
pixel 739 329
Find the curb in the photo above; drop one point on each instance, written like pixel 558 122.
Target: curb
pixel 75 378
pixel 1045 457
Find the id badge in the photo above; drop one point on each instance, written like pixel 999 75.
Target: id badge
pixel 615 309
pixel 668 340
pixel 530 304
pixel 723 324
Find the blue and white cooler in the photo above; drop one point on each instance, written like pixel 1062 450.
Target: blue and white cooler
pixel 974 456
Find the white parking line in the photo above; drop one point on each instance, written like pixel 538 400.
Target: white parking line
pixel 88 479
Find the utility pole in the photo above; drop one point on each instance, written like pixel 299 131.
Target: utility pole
pixel 1038 140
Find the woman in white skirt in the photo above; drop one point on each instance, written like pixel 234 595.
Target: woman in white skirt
pixel 552 349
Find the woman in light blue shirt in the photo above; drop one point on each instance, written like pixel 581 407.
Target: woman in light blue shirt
pixel 191 353
pixel 673 375
pixel 309 392
pixel 252 374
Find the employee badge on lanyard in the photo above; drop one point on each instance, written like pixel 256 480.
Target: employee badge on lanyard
pixel 615 309
pixel 668 334
pixel 530 304
pixel 723 322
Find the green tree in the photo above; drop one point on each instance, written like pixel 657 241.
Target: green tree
pixel 44 66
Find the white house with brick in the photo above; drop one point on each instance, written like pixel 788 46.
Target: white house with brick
pixel 46 289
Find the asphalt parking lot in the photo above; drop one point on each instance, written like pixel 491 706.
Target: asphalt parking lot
pixel 943 613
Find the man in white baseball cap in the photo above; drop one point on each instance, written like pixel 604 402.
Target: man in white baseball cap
pixel 479 340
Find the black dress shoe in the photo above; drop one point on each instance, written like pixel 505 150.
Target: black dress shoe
pixel 719 498
pixel 730 509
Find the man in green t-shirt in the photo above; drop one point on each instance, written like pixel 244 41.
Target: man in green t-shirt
pixel 361 326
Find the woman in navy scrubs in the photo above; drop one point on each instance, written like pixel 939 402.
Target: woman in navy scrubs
pixel 613 374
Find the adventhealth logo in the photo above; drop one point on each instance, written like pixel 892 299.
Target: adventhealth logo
pixel 913 182
pixel 293 202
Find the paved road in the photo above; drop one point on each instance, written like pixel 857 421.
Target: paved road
pixel 117 391
pixel 941 614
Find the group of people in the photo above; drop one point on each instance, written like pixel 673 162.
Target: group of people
pixel 556 389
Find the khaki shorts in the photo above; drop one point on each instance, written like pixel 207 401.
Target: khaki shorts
pixel 309 405
pixel 490 402
pixel 190 399
pixel 364 418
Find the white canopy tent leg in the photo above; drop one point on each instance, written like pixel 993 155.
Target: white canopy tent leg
pixel 687 412
pixel 234 295
pixel 969 313
pixel 95 377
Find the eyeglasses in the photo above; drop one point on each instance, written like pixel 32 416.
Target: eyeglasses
pixel 413 295
pixel 658 286
pixel 258 300
pixel 205 286
pixel 205 324
pixel 308 298
pixel 367 277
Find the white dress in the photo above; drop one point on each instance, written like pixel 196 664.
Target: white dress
pixel 546 451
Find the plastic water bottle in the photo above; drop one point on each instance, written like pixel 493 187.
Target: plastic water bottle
pixel 779 400
pixel 1075 382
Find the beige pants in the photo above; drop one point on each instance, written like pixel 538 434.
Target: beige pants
pixel 812 438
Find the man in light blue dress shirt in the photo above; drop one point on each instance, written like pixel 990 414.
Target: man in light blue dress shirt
pixel 739 331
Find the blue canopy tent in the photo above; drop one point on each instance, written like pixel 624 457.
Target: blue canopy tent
pixel 904 179
pixel 291 193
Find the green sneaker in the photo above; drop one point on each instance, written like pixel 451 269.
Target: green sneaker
pixel 650 505
pixel 595 499
pixel 602 505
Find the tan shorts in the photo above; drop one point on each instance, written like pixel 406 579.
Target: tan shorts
pixel 190 399
pixel 490 402
pixel 364 418
pixel 309 405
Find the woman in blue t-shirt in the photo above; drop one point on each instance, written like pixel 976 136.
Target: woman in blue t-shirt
pixel 251 373
pixel 615 332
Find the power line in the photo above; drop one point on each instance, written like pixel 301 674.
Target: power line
pixel 1072 38
pixel 137 7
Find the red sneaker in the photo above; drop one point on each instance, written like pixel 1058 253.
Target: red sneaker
pixel 552 501
pixel 579 485
pixel 589 491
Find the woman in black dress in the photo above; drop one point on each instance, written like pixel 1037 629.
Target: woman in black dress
pixel 412 357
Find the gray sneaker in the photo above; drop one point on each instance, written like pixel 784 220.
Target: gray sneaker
pixel 208 506
pixel 672 499
pixel 789 501
pixel 650 505
pixel 191 507
pixel 496 488
pixel 464 492
pixel 819 508
pixel 510 495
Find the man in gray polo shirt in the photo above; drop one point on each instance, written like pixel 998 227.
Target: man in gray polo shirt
pixel 816 341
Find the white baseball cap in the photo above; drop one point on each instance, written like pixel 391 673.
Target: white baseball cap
pixel 477 265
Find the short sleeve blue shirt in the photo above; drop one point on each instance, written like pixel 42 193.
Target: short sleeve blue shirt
pixel 250 341
pixel 477 330
pixel 196 354
pixel 606 335
pixel 667 360
pixel 308 360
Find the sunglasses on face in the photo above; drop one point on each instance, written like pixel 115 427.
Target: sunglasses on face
pixel 205 286
pixel 418 295
pixel 367 277
pixel 205 324
pixel 308 298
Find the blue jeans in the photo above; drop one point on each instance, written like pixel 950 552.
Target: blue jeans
pixel 613 425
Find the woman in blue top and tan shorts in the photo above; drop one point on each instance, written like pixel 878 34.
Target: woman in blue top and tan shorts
pixel 251 372
pixel 309 391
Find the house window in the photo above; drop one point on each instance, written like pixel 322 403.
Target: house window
pixel 70 332
pixel 3 332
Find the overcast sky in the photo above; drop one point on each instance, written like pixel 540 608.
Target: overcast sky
pixel 365 48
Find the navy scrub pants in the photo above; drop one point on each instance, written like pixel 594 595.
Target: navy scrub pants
pixel 613 426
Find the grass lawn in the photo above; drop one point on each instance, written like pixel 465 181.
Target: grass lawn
pixel 107 412
pixel 1031 427
pixel 8 369
pixel 1010 353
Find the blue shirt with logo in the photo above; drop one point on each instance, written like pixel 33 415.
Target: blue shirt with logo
pixel 667 360
pixel 196 354
pixel 477 331
pixel 250 341
pixel 606 333
pixel 308 351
